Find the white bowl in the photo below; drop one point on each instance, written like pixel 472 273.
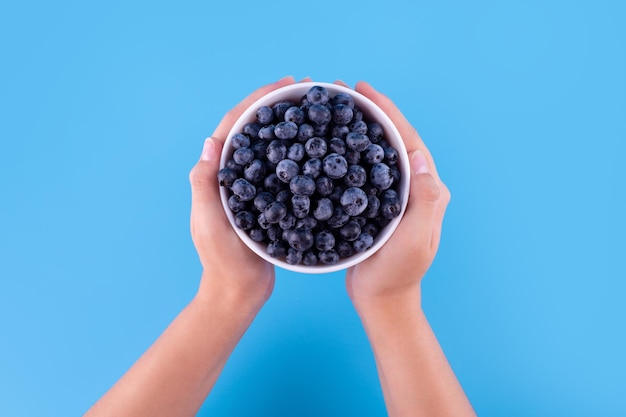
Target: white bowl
pixel 372 112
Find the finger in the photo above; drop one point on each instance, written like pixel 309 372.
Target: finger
pixel 438 220
pixel 417 225
pixel 341 83
pixel 306 80
pixel 231 117
pixel 206 208
pixel 412 139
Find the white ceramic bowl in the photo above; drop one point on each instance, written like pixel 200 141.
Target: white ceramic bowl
pixel 372 112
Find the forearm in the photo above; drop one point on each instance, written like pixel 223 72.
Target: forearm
pixel 415 375
pixel 174 376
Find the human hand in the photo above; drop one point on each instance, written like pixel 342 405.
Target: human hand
pixel 229 266
pixel 397 267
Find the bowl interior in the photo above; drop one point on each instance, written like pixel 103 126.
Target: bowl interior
pixel 372 112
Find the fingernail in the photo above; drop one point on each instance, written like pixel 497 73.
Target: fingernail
pixel 419 163
pixel 208 150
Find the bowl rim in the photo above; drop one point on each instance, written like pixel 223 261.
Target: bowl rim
pixel 368 107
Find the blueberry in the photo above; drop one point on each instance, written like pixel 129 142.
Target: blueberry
pixel 239 140
pixel 280 108
pixel 375 132
pixel 358 126
pixel 317 95
pixel 370 228
pixel 243 189
pixel 295 114
pixel 324 186
pixel 319 114
pixel 275 233
pixel 235 204
pixel 382 221
pixel 234 166
pixel 265 115
pixel 288 222
pixel 257 234
pixel 277 249
pixel 305 103
pixel 315 147
pixel 302 185
pixel 381 176
pixel 226 177
pixel 355 177
pixel 321 130
pixel 339 218
pixel 342 114
pixel 259 147
pixel 373 207
pixel 305 132
pixel 390 208
pixel 354 201
pixel 337 192
pixel 267 132
pixel 309 258
pixel 340 131
pixel 335 166
pixel 293 257
pixel 389 194
pixel 286 130
pixel 323 209
pixel 272 183
pixel 286 169
pixel 337 145
pixel 300 205
pixel 252 130
pixel 275 211
pixel 296 152
pixel 262 200
pixel 276 151
pixel 254 171
pixel 262 221
pixel 373 154
pixel 370 189
pixel 363 242
pixel 343 98
pixel 395 172
pixel 245 220
pixel 344 249
pixel 353 157
pixel 329 257
pixel 301 239
pixel 308 223
pixel 350 231
pixel 324 240
pixel 360 220
pixel 391 155
pixel 312 168
pixel 358 113
pixel 243 156
pixel 284 196
pixel 357 141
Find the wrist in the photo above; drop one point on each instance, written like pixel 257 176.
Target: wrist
pixel 389 303
pixel 246 295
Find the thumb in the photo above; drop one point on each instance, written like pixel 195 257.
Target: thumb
pixel 206 207
pixel 418 221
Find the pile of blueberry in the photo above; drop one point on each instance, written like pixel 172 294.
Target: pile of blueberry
pixel 314 181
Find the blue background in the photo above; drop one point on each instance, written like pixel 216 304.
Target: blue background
pixel 104 107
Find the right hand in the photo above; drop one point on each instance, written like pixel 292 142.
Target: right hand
pixel 398 266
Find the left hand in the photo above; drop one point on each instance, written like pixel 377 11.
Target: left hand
pixel 229 265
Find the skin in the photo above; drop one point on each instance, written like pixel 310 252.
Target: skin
pixel 175 375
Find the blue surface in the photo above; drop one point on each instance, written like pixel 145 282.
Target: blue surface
pixel 103 111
